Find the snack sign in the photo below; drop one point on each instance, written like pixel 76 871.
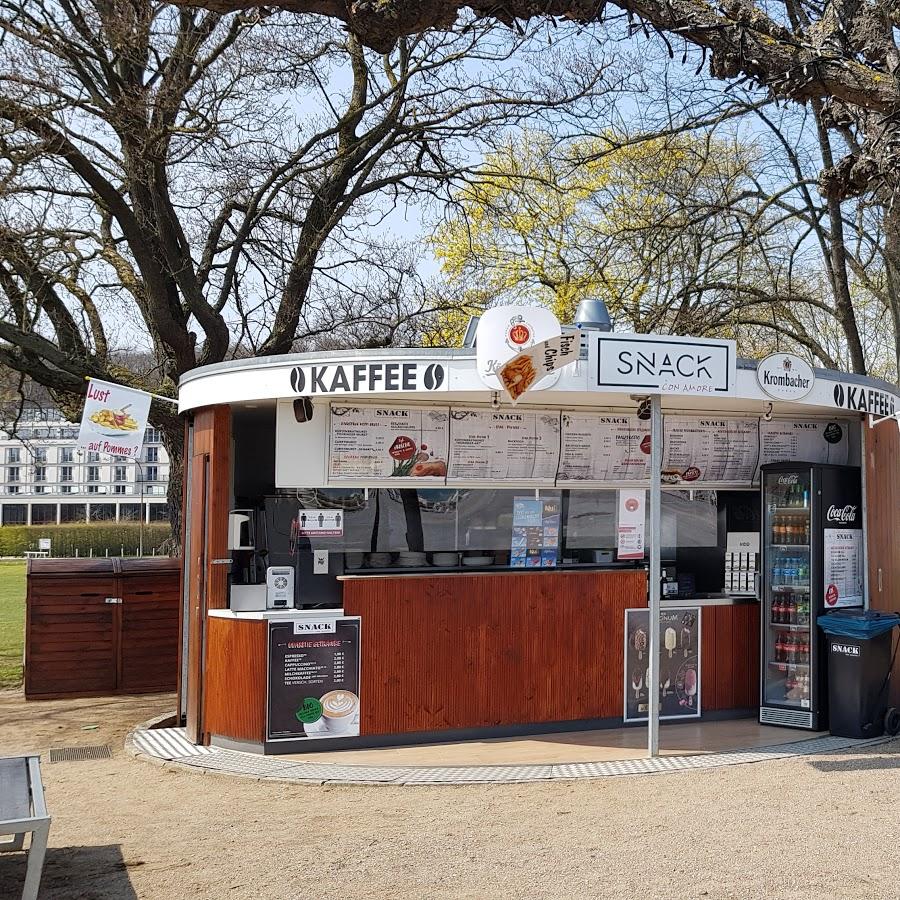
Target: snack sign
pixel 113 420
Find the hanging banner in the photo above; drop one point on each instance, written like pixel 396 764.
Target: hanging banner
pixel 526 370
pixel 630 528
pixel 679 664
pixel 113 420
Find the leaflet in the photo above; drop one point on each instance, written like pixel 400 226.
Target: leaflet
pixel 604 448
pixel 711 450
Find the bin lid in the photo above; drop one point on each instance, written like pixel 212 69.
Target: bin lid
pixel 858 623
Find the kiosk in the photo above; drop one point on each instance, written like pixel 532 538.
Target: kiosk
pixel 380 548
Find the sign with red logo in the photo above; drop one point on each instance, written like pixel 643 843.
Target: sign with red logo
pixel 831 595
pixel 505 331
pixel 403 448
pixel 630 527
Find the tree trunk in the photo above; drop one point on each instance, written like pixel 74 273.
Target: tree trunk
pixel 892 271
pixel 173 441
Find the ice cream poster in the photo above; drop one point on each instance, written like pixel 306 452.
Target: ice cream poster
pixel 679 664
pixel 113 420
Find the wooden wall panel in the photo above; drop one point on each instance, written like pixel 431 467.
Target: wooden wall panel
pixel 730 665
pixel 486 650
pixel 77 644
pixel 883 523
pixel 235 686
pixel 210 474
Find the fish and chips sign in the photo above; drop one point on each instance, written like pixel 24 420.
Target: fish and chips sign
pixel 113 420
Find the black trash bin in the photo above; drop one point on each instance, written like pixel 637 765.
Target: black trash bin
pixel 859 668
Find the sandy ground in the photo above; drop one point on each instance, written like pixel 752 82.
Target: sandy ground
pixel 821 827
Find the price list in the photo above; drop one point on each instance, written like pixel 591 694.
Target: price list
pixel 604 448
pixel 494 445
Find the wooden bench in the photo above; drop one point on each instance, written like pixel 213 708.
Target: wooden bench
pixel 22 809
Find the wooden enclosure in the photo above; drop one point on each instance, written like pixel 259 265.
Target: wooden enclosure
pixel 101 626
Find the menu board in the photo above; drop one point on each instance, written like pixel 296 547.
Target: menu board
pixel 604 448
pixel 535 533
pixel 489 445
pixel 388 442
pixel 679 663
pixel 313 678
pixel 843 567
pixel 804 440
pixel 710 450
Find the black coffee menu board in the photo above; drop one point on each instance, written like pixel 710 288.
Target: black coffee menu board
pixel 313 678
pixel 679 663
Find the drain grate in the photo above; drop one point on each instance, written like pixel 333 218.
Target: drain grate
pixel 76 754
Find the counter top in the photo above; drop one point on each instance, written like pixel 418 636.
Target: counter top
pixel 475 570
pixel 259 614
pixel 706 600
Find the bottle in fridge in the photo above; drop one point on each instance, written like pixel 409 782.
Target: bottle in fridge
pixel 812 562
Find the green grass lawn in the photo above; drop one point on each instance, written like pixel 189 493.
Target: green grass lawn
pixel 12 622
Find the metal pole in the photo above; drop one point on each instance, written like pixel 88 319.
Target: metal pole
pixel 656 441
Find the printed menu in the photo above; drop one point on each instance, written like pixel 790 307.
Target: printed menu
pixel 604 448
pixel 487 445
pixel 805 440
pixel 388 442
pixel 843 567
pixel 710 450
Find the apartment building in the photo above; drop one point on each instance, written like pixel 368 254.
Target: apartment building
pixel 46 480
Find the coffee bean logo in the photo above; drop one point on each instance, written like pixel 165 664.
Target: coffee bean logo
pixel 434 377
pixel 839 394
pixel 298 380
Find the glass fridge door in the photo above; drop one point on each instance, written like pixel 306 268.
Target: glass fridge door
pixel 787 639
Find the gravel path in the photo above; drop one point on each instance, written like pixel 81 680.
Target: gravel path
pixel 821 827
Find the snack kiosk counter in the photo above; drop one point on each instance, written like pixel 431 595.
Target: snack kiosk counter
pixel 381 548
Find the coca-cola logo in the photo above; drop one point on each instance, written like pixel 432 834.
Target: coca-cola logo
pixel 788 479
pixel 841 514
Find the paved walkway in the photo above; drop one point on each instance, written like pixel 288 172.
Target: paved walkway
pixel 169 745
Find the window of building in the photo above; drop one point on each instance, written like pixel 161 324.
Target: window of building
pixel 119 488
pixel 72 512
pixel 12 489
pixel 65 473
pixel 152 436
pixel 13 454
pixel 40 473
pixel 66 454
pixel 12 473
pixel 39 488
pixel 66 489
pixel 40 455
pixel 152 473
pixel 15 514
pixel 158 512
pixel 43 514
pixel 93 473
pixel 120 473
pixel 92 489
pixel 93 456
pixel 152 454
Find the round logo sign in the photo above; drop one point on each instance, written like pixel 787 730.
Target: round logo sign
pixel 631 504
pixel 784 376
pixel 645 444
pixel 833 433
pixel 519 334
pixel 831 595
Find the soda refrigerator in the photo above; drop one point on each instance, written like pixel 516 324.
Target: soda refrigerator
pixel 812 562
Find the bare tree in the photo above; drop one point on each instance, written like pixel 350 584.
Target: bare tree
pixel 197 184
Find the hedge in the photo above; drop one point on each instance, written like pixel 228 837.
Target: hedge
pixel 100 539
